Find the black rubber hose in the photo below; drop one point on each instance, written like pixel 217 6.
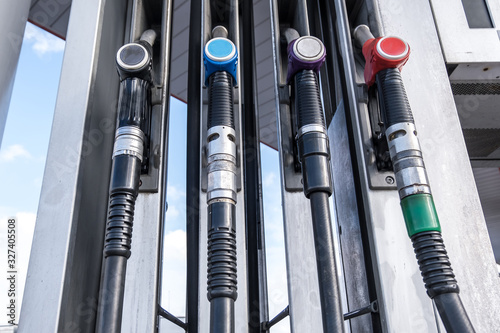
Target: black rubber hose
pixel 308 100
pixel 440 280
pixel 110 302
pixel 327 269
pixel 222 272
pixel 124 187
pixel 314 157
pixel 453 314
pixel 394 102
pixel 220 100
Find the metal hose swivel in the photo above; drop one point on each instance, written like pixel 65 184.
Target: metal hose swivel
pixel 134 64
pixel 385 57
pixel 305 57
pixel 220 58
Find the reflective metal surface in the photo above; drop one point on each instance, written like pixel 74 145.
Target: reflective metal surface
pixel 12 23
pixel 460 43
pixel 443 148
pixel 64 270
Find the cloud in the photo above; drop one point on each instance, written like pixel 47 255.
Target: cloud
pixel 42 41
pixel 12 152
pixel 269 179
pixel 174 272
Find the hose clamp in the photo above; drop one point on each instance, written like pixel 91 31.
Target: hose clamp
pixel 310 128
pixel 129 140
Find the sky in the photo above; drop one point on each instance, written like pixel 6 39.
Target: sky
pixel 22 162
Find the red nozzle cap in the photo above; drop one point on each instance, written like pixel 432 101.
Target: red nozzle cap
pixel 382 53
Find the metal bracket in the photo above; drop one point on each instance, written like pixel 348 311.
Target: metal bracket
pixel 378 166
pixel 149 180
pixel 372 308
pixel 292 168
pixel 171 318
pixel 279 317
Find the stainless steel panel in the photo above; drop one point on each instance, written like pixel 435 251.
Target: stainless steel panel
pixel 346 207
pixel 64 270
pixel 461 44
pixel 404 305
pixel 12 23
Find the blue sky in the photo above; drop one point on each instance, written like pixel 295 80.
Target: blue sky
pixel 22 161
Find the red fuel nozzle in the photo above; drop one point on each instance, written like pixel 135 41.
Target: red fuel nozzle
pixel 382 53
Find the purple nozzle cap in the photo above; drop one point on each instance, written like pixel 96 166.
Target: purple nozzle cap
pixel 306 52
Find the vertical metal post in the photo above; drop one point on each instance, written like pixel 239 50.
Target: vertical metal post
pixel 13 17
pixel 65 263
pixel 193 166
pixel 256 254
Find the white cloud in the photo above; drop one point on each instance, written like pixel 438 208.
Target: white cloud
pixel 174 193
pixel 12 152
pixel 42 41
pixel 172 213
pixel 174 273
pixel 269 179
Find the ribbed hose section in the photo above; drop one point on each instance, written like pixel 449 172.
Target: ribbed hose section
pixel 434 263
pixel 222 276
pixel 220 94
pixel 124 187
pixel 453 314
pixel 440 281
pixel 333 318
pixel 395 105
pixel 119 226
pixel 308 100
pixel 221 251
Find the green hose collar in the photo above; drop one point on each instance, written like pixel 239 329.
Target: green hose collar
pixel 420 214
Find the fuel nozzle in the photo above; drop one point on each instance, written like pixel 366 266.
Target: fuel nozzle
pixel 135 59
pixel 306 52
pixel 380 53
pixel 220 55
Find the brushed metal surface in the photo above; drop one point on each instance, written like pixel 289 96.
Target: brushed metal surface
pixel 12 23
pixel 403 303
pixel 346 207
pixel 461 44
pixel 64 271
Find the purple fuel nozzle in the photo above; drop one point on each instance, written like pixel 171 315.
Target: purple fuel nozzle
pixel 306 52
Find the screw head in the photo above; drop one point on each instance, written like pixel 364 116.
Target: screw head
pixel 389 180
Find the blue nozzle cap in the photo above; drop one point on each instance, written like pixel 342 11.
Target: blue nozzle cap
pixel 220 54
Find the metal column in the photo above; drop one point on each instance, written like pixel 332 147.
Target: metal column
pixel 13 17
pixel 65 266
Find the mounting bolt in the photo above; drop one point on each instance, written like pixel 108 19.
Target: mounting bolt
pixel 389 180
